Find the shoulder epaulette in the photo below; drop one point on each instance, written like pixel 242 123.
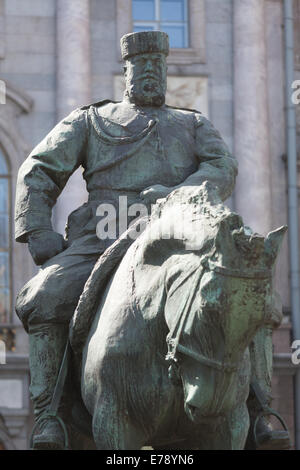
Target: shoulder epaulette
pixel 98 104
pixel 184 109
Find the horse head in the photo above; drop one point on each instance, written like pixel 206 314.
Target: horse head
pixel 215 305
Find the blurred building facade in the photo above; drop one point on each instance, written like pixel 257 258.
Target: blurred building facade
pixel 227 60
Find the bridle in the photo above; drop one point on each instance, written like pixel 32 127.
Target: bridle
pixel 173 340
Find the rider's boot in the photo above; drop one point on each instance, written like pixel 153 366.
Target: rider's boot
pixel 47 344
pixel 269 439
pixel 261 434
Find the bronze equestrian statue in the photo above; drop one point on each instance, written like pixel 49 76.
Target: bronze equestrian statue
pixel 139 148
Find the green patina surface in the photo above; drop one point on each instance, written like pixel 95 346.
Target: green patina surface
pixel 139 148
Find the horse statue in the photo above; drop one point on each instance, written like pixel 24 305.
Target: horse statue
pixel 166 361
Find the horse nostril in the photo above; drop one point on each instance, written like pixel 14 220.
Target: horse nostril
pixel 193 413
pixel 192 409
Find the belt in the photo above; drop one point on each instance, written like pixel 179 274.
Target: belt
pixel 113 195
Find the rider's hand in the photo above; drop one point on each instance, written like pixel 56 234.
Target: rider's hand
pixel 152 193
pixel 45 244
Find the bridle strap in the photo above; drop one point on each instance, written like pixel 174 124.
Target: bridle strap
pixel 185 309
pixel 206 361
pixel 221 366
pixel 231 272
pixel 173 342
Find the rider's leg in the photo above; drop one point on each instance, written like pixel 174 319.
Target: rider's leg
pixel 46 347
pixel 261 354
pixel 45 305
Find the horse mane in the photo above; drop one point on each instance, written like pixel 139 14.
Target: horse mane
pixel 187 218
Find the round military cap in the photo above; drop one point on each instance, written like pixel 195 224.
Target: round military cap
pixel 145 41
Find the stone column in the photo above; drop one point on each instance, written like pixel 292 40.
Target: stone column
pixel 73 82
pixel 251 139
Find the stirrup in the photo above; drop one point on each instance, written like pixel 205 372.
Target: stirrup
pixel 268 412
pixel 50 414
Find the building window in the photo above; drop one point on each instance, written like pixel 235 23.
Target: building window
pixel 5 248
pixel 170 16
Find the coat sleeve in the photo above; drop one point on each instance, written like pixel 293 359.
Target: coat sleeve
pixel 45 172
pixel 216 164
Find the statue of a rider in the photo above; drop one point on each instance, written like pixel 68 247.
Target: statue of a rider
pixel 139 148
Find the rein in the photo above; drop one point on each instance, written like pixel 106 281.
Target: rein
pixel 173 341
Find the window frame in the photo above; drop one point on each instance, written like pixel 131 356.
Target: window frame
pixel 157 22
pixel 194 54
pixel 8 177
pixel 2 30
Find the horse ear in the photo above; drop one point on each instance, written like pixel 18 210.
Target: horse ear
pixel 273 243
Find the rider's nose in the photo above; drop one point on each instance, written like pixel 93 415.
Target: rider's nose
pixel 148 66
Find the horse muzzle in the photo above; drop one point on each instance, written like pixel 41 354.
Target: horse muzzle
pixel 207 398
pixel 197 416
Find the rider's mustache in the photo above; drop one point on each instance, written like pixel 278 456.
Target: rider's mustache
pixel 147 75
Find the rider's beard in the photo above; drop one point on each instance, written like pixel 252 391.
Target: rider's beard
pixel 146 92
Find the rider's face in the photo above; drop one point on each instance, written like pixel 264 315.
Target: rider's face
pixel 146 79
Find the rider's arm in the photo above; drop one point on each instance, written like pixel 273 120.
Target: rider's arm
pixel 45 172
pixel 216 164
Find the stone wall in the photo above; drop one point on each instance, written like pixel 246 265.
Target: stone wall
pixel 27 65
